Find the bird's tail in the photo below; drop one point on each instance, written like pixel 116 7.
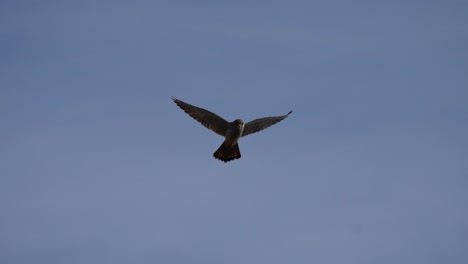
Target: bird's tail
pixel 227 153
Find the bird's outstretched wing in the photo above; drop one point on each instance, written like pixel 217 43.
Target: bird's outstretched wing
pixel 208 119
pixel 262 123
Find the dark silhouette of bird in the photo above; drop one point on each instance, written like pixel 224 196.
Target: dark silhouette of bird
pixel 231 131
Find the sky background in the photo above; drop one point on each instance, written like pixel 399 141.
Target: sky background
pixel 98 165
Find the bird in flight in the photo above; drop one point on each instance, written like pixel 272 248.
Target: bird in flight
pixel 231 131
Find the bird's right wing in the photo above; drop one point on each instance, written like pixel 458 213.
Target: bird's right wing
pixel 210 120
pixel 262 123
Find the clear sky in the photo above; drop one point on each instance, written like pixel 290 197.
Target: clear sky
pixel 98 165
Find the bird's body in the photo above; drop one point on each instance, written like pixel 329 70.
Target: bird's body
pixel 231 131
pixel 234 132
pixel 229 149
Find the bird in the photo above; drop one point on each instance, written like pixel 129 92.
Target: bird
pixel 231 131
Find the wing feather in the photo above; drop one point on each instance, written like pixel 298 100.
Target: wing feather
pixel 262 123
pixel 210 120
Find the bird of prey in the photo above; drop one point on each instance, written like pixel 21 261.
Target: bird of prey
pixel 231 131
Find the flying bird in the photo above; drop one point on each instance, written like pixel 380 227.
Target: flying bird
pixel 231 131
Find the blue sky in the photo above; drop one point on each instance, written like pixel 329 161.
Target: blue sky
pixel 98 165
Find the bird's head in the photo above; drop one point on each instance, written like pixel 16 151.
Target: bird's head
pixel 238 123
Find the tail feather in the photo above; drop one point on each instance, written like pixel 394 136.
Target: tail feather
pixel 227 153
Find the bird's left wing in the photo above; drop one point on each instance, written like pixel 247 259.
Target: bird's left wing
pixel 210 120
pixel 262 123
